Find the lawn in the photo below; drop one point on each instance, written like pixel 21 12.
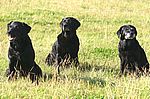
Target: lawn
pixel 97 76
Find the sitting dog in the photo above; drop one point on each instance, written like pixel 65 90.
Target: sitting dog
pixel 21 53
pixel 132 55
pixel 65 49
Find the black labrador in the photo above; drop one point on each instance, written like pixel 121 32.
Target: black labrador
pixel 132 55
pixel 65 49
pixel 21 53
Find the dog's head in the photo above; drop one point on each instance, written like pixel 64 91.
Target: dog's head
pixel 127 32
pixel 69 25
pixel 17 30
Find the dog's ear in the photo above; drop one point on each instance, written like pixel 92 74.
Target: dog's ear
pixel 8 25
pixel 26 28
pixel 135 31
pixel 76 23
pixel 61 22
pixel 119 33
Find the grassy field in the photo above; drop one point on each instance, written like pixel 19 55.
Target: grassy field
pixel 97 77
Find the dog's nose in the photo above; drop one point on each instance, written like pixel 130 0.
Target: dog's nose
pixel 65 25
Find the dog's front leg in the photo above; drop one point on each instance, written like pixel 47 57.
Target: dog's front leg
pixel 122 67
pixel 12 65
pixel 58 63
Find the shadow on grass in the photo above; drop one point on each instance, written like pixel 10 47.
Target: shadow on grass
pixel 94 81
pixel 84 67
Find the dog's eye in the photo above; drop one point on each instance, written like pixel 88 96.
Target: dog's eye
pixel 10 26
pixel 132 29
pixel 16 27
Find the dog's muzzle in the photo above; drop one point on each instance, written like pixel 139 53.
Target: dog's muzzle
pixel 66 29
pixel 10 38
pixel 129 35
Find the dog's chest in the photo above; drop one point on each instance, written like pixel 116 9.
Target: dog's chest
pixel 128 45
pixel 66 47
pixel 129 49
pixel 14 53
pixel 14 46
pixel 15 50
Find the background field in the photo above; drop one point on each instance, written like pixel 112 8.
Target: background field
pixel 97 76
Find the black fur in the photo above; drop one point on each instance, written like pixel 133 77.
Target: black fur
pixel 66 46
pixel 21 53
pixel 132 55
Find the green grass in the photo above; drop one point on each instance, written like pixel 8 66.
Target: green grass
pixel 97 76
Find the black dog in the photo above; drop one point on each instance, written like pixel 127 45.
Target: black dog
pixel 65 49
pixel 21 53
pixel 132 55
